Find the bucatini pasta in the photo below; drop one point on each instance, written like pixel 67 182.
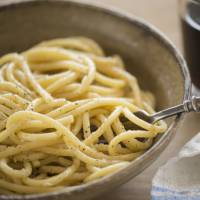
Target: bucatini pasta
pixel 62 110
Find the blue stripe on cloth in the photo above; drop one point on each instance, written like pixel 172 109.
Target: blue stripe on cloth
pixel 159 193
pixel 175 198
pixel 161 189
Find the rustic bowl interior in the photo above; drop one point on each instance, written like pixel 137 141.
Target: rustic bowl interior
pixel 150 58
pixel 146 56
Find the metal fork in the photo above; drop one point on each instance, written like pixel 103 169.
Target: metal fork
pixel 187 106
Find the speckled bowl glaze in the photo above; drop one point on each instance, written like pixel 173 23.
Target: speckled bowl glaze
pixel 148 54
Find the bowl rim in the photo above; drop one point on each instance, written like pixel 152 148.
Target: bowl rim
pixel 156 33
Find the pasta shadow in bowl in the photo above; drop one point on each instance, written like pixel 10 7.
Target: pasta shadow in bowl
pixel 148 55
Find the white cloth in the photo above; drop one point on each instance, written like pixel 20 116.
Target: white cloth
pixel 179 178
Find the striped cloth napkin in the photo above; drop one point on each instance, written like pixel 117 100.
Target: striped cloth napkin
pixel 179 178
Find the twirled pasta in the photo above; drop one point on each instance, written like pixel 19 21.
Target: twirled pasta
pixel 62 105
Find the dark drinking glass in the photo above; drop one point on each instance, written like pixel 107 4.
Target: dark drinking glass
pixel 190 21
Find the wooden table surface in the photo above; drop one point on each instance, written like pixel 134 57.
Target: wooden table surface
pixel 164 15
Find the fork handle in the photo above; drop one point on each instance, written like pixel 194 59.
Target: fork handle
pixel 188 106
pixel 192 105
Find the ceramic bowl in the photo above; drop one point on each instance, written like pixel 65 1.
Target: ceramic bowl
pixel 148 54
